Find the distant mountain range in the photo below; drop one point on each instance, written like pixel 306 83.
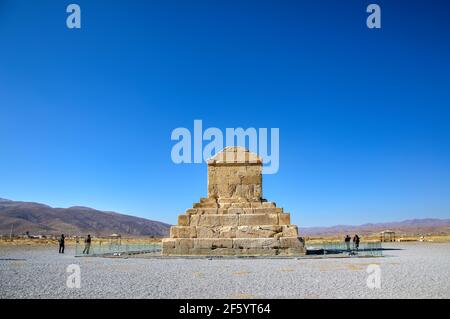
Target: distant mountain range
pixel 45 220
pixel 407 227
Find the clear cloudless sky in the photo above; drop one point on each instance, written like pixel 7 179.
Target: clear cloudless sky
pixel 86 115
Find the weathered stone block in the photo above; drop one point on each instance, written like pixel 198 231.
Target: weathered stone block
pixel 214 220
pixel 191 211
pixel 235 210
pixel 228 232
pixel 226 200
pixel 252 179
pixel 256 204
pixel 290 231
pixel 291 242
pixel 284 219
pixel 271 210
pixel 181 251
pixel 206 232
pixel 208 200
pixel 183 232
pixel 291 251
pixel 257 231
pixel 206 211
pixel 184 243
pixel 258 219
pixel 210 220
pixel 213 243
pixel 205 205
pixel 221 252
pixel 240 243
pixel 257 192
pixel 268 205
pixel 193 220
pixel 183 220
pixel 278 235
pixel 216 232
pixel 168 243
pixel 256 252
pixel 243 204
pixel 222 211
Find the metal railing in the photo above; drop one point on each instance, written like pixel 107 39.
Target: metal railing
pixel 330 248
pixel 116 249
pixel 324 248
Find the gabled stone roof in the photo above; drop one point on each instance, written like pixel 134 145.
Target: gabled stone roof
pixel 235 155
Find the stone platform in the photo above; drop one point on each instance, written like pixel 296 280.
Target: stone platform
pixel 234 219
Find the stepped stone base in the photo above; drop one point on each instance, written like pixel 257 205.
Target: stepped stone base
pixel 237 227
pixel 234 219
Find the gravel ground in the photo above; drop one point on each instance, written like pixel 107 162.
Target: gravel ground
pixel 411 270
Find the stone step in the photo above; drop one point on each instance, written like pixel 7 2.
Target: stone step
pixel 209 202
pixel 249 252
pixel 233 210
pixel 264 231
pixel 236 246
pixel 205 205
pixel 263 205
pixel 202 211
pixel 230 200
pixel 214 220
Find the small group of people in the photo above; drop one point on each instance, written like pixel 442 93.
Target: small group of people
pixel 87 244
pixel 356 241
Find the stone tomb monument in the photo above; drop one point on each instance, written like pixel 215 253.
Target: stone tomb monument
pixel 234 219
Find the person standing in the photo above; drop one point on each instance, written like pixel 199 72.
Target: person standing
pixel 356 241
pixel 87 245
pixel 347 242
pixel 61 244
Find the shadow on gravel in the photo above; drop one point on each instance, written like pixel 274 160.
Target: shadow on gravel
pixel 12 259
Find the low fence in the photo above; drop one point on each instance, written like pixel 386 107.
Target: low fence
pixel 330 248
pixel 116 249
pixel 325 248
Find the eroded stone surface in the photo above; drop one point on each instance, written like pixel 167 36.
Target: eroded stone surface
pixel 234 219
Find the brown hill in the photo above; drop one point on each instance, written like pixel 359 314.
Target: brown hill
pixel 45 220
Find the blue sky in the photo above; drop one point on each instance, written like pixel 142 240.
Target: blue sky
pixel 86 115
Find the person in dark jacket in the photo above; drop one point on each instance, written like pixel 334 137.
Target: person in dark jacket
pixel 347 242
pixel 61 244
pixel 87 245
pixel 356 241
